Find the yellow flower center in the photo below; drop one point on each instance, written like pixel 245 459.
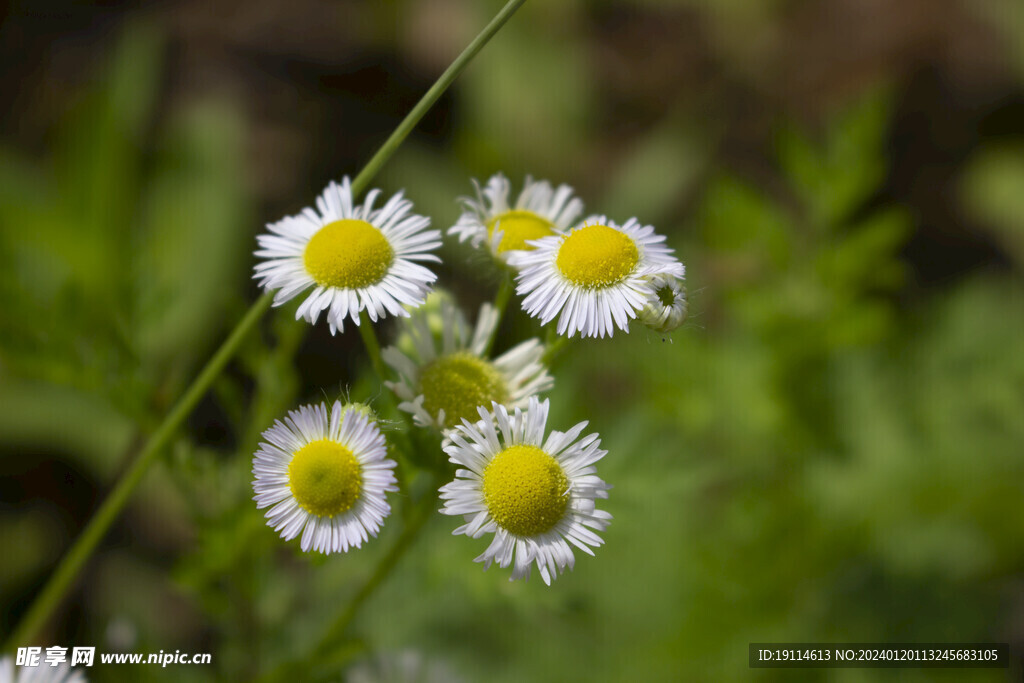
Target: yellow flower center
pixel 348 254
pixel 325 478
pixel 517 227
pixel 458 384
pixel 597 256
pixel 525 490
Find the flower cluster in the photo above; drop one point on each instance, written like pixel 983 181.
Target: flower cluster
pixel 324 472
pixel 593 275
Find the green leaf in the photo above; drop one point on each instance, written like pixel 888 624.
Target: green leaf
pixel 836 173
pixel 739 218
pixel 993 192
pixel 193 241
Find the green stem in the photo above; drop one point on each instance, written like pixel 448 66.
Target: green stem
pixel 432 95
pixel 402 445
pixel 336 632
pixel 98 526
pixel 424 509
pixel 500 304
pixel 555 347
pixel 369 336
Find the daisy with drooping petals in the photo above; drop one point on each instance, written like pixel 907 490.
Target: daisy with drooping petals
pixel 536 496
pixel 325 474
pixel 41 673
pixel 539 211
pixel 666 309
pixel 597 275
pixel 443 381
pixel 354 256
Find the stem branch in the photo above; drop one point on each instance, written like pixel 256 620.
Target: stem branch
pixel 335 634
pixel 384 567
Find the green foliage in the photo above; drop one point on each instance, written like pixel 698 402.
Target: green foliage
pixel 803 462
pixel 992 193
pixel 926 481
pixel 828 264
pixel 120 254
pixel 833 177
pixel 117 257
pixel 808 459
pixel 813 467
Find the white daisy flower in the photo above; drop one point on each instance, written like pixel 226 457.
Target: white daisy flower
pixel 355 257
pixel 597 275
pixel 666 309
pixel 539 211
pixel 444 380
pixel 41 673
pixel 325 474
pixel 536 496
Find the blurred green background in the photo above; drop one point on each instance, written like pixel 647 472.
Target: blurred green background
pixel 829 450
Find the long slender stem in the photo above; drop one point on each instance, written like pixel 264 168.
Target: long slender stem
pixel 500 304
pixel 423 511
pixel 118 497
pixel 554 349
pixel 336 632
pixel 98 526
pixel 432 95
pixel 369 336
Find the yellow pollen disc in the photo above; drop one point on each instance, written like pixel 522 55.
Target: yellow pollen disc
pixel 597 256
pixel 325 478
pixel 517 227
pixel 459 383
pixel 525 490
pixel 348 254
